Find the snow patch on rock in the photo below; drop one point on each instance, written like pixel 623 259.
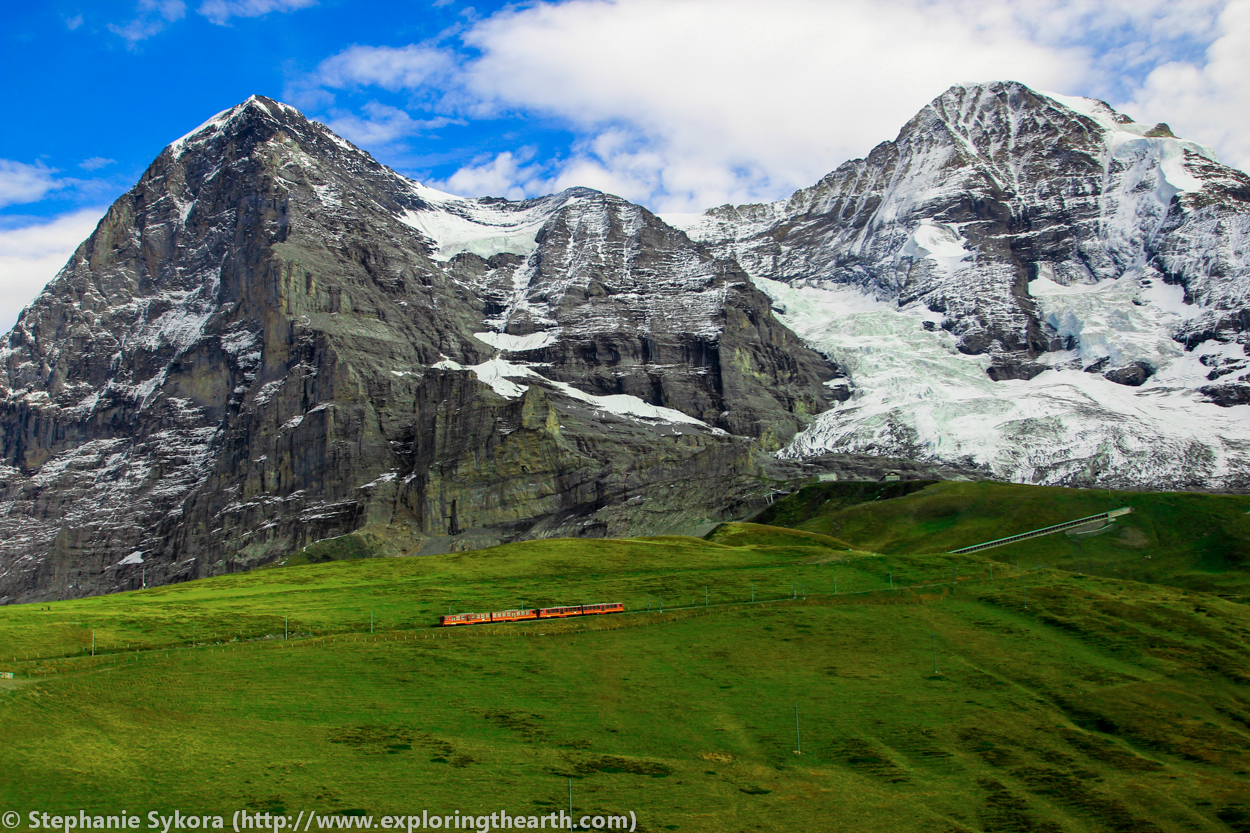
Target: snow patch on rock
pixel 483 227
pixel 502 375
pixel 519 344
pixel 938 242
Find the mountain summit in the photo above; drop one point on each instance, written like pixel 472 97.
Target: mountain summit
pixel 273 340
pixel 1029 284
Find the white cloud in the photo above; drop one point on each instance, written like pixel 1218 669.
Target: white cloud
pixel 390 68
pixel 95 163
pixel 682 104
pixel 170 10
pixel 154 16
pixel 384 125
pixel 732 100
pixel 74 22
pixel 506 175
pixel 1113 23
pixel 22 183
pixel 31 256
pixel 220 11
pixel 1206 99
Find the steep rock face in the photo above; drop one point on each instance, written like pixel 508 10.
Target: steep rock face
pixel 618 302
pixel 1020 282
pixel 270 340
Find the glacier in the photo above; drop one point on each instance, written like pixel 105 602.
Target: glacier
pixel 1042 315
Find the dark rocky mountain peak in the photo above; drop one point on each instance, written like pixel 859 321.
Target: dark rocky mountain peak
pixel 273 340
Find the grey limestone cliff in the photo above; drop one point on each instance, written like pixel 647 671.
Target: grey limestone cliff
pixel 273 340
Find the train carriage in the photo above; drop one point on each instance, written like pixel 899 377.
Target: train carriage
pixel 513 615
pixel 606 607
pixel 520 615
pixel 559 612
pixel 464 619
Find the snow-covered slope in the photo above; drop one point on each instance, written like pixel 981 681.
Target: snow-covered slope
pixel 918 396
pixel 1029 283
pixel 485 227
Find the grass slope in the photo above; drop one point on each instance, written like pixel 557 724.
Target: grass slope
pixel 1197 541
pixel 1059 701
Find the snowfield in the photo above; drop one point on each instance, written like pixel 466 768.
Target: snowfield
pixel 917 395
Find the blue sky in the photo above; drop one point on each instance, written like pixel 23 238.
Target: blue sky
pixel 677 104
pixel 114 82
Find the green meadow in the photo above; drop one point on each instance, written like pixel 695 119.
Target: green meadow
pixel 1197 541
pixel 828 666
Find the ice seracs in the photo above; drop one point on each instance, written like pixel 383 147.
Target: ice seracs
pixel 917 395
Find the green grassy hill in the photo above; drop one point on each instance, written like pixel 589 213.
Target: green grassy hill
pixel 1191 540
pixel 1037 699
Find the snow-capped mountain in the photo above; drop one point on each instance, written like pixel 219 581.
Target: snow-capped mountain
pixel 1029 284
pixel 273 340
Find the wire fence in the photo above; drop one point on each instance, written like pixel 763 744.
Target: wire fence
pixel 893 590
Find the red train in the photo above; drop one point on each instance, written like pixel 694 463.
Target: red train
pixel 523 615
